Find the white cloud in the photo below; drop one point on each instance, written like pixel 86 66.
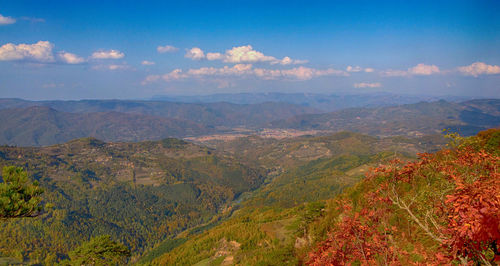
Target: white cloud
pixel 6 20
pixel 40 52
pixel 70 58
pixel 423 69
pixel 245 54
pixel 195 53
pixel 110 54
pixel 359 69
pixel 353 69
pixel 479 68
pixel 367 85
pixel 215 56
pixel 418 70
pixel 147 63
pixel 175 74
pixel 241 55
pixel 298 73
pixel 394 73
pixel 167 49
pixel 241 70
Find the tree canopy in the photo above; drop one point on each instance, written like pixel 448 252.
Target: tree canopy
pixel 100 250
pixel 18 196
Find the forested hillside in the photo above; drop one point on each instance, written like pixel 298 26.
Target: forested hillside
pixel 41 126
pixel 466 118
pixel 440 208
pixel 301 172
pixel 210 114
pixel 139 193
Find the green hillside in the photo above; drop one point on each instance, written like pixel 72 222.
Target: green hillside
pixel 139 193
pixel 306 170
pixel 291 229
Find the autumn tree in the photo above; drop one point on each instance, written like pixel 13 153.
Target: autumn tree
pixel 19 197
pixel 450 200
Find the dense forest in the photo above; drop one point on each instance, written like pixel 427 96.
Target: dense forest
pixel 439 208
pixel 257 200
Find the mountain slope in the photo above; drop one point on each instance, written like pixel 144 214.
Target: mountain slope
pixel 413 119
pixel 208 114
pixel 265 222
pixel 34 126
pixel 325 102
pixel 140 193
pixel 364 219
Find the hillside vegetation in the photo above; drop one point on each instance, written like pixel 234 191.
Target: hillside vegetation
pixel 139 193
pixel 424 118
pixel 266 223
pixel 439 209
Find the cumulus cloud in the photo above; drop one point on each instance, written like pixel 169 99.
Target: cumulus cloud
pixel 40 52
pixel 175 74
pixel 147 63
pixel 479 68
pixel 418 70
pixel 358 69
pixel 241 55
pixel 166 49
pixel 246 54
pixel 109 54
pixel 195 53
pixel 367 85
pixel 241 70
pixel 6 20
pixel 70 58
pixel 215 56
pixel 423 69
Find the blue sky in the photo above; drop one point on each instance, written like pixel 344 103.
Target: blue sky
pixel 137 49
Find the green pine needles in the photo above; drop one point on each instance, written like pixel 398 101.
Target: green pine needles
pixel 18 196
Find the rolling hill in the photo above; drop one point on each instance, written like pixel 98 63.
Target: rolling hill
pixel 140 193
pixel 38 126
pixel 208 114
pixel 418 119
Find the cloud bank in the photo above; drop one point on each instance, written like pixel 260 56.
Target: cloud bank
pixel 6 20
pixel 479 68
pixel 109 54
pixel 241 55
pixel 247 70
pixel 39 52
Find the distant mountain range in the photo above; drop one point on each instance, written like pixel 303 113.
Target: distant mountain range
pixel 324 102
pixel 210 114
pixel 39 123
pixel 418 119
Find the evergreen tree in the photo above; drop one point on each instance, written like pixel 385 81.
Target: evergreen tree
pixel 18 196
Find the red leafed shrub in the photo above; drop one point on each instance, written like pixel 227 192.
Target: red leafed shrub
pixel 450 198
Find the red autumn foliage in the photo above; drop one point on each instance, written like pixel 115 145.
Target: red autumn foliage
pixel 465 219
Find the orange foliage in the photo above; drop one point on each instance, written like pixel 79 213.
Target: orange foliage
pixel 465 219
